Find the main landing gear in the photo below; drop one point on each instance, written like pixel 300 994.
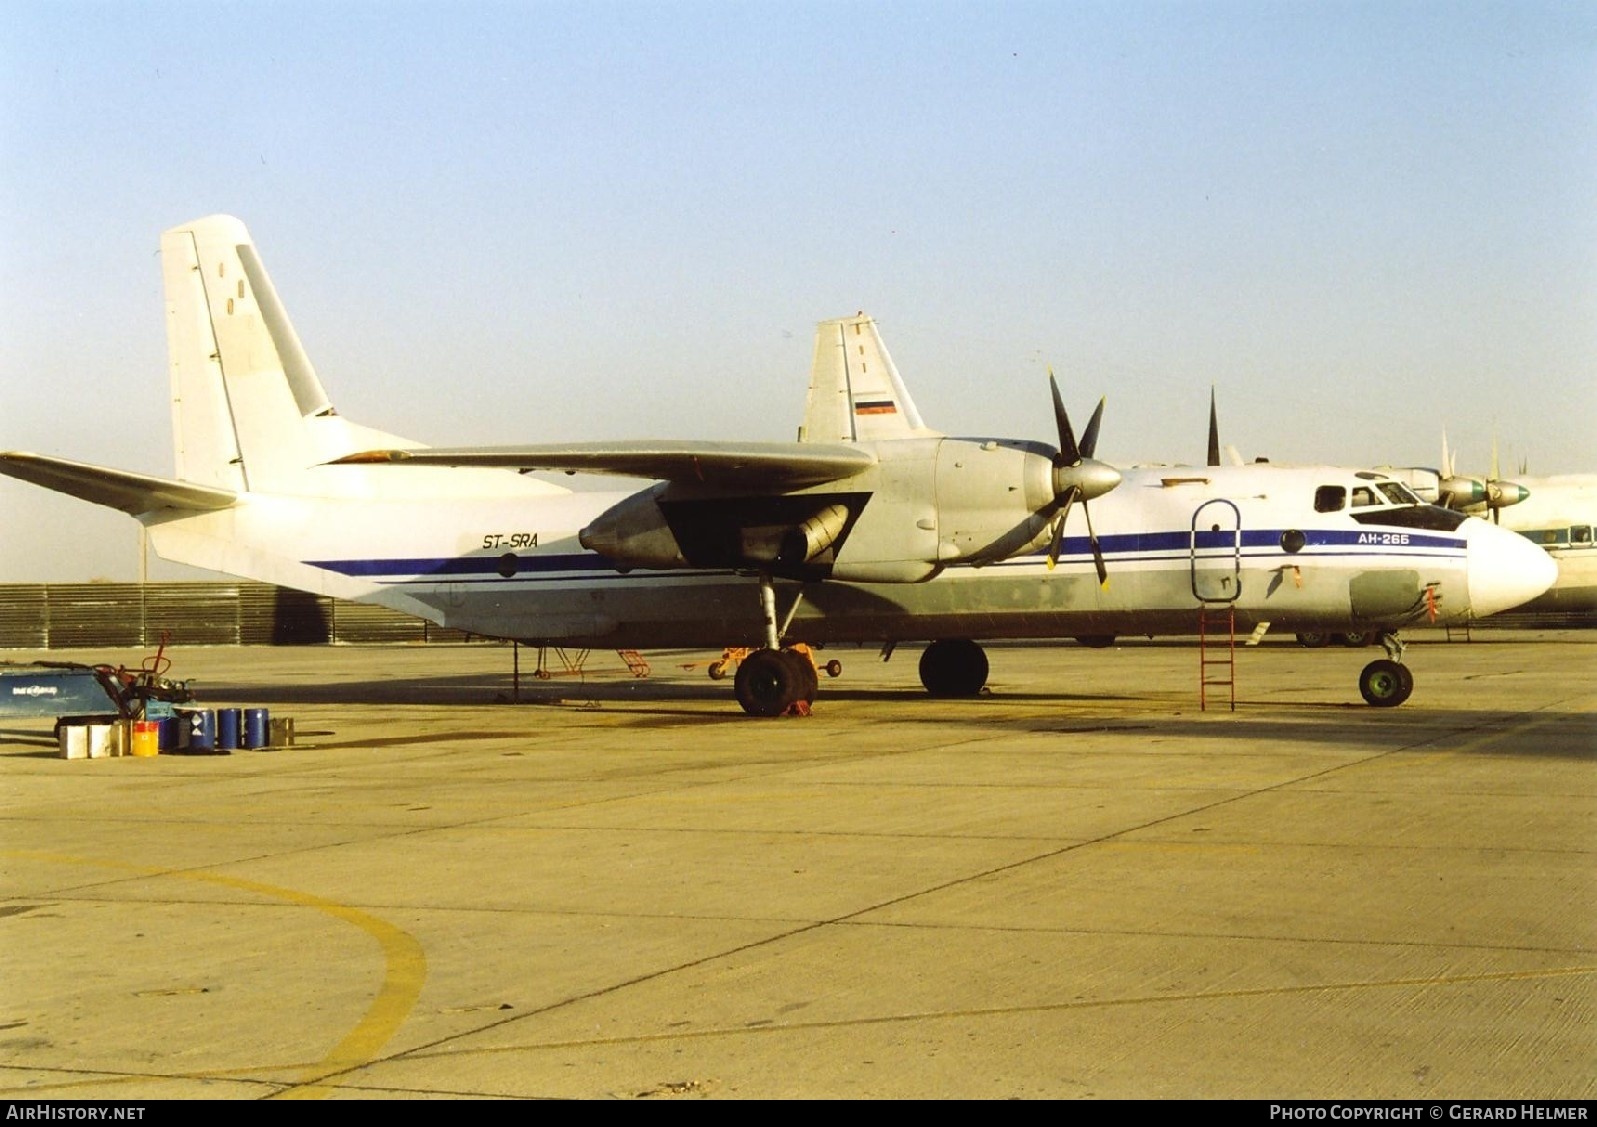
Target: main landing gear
pixel 1386 682
pixel 953 667
pixel 774 680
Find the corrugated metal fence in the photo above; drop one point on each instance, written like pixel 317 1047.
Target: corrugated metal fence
pixel 67 615
pixel 38 616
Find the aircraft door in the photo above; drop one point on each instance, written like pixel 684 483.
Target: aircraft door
pixel 1217 552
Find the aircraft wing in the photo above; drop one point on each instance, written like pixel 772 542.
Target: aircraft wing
pixel 762 464
pixel 132 493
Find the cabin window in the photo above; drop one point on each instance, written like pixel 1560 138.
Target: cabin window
pixel 1329 498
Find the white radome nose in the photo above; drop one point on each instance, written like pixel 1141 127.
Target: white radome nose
pixel 1505 569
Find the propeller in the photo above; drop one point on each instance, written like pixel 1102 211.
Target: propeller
pixel 1214 439
pixel 1494 492
pixel 1078 476
pixel 1214 432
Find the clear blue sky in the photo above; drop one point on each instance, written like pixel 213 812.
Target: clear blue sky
pixel 521 222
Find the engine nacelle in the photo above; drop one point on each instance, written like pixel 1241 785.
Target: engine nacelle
pixel 1501 494
pixel 1458 492
pixel 634 533
pixel 664 527
pixel 994 499
pixel 924 505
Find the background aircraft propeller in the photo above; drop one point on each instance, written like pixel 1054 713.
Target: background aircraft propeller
pixel 1459 491
pixel 1078 476
pixel 1214 432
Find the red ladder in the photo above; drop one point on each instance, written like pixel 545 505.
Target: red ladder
pixel 1210 667
pixel 637 665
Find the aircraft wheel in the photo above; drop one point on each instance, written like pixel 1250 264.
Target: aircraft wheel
pixel 767 682
pixel 1385 683
pixel 953 667
pixel 1356 639
pixel 804 673
pixel 1096 641
pixel 1313 639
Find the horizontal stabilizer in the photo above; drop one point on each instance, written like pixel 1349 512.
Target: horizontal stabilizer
pixel 763 464
pixel 133 493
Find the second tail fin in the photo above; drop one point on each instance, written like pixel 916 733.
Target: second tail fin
pixel 855 391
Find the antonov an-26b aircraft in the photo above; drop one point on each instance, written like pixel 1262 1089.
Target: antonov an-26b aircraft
pixel 871 528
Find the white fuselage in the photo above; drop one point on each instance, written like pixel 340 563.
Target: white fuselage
pixel 1174 539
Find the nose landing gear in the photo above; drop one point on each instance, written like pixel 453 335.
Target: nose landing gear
pixel 1386 682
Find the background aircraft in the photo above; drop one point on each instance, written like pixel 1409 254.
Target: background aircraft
pixel 871 528
pixel 1451 489
pixel 1558 512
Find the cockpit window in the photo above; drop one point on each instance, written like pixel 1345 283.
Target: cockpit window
pixel 1329 498
pixel 1363 497
pixel 1429 517
pixel 1398 493
pixel 1580 534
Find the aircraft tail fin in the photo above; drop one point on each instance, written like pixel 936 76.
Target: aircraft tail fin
pixel 248 411
pixel 856 394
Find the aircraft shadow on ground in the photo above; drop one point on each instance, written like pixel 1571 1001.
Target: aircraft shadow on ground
pixel 1347 727
pixel 654 700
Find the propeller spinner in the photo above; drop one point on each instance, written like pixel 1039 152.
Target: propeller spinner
pixel 1078 476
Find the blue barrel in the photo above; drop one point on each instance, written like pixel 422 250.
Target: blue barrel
pixel 169 735
pixel 227 728
pixel 257 728
pixel 198 730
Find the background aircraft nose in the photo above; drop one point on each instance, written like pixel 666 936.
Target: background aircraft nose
pixel 1505 569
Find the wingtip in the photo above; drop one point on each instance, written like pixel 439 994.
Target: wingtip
pixel 370 457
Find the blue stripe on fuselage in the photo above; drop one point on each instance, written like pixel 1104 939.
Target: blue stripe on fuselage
pixel 1143 546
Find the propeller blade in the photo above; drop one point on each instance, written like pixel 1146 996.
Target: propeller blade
pixel 1089 437
pixel 1059 528
pixel 1068 449
pixel 1097 552
pixel 1214 432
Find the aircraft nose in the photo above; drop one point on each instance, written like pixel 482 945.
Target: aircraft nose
pixel 1505 569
